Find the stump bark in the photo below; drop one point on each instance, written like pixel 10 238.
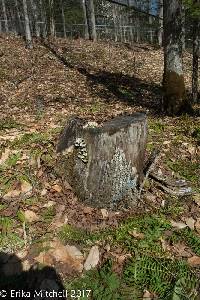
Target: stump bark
pixel 104 165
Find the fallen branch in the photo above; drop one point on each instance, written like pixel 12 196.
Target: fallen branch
pixel 148 168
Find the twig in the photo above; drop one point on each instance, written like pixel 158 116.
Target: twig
pixel 24 232
pixel 149 166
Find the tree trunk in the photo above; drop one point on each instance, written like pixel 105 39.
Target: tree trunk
pixel 27 26
pixel 50 21
pixel 174 99
pixel 18 19
pixel 160 30
pixel 196 54
pixel 89 5
pixel 85 20
pixel 114 16
pixel 183 28
pixel 63 19
pixel 5 15
pixel 104 165
pixel 43 19
pixel 35 18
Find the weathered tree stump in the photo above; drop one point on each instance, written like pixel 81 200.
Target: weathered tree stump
pixel 104 165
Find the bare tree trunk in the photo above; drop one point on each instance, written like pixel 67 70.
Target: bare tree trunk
pixel 29 43
pixel 160 30
pixel 13 22
pixel 35 17
pixel 174 100
pixel 50 19
pixel 18 19
pixel 150 23
pixel 5 15
pixel 85 20
pixel 63 19
pixel 89 5
pixel 114 21
pixel 43 19
pixel 183 26
pixel 151 29
pixel 196 54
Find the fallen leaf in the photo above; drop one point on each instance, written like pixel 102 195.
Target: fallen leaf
pixel 135 234
pixel 30 216
pixel 194 261
pixel 147 295
pixel 49 204
pixel 190 223
pixel 104 213
pixel 43 192
pixel 181 250
pixel 57 188
pixel 5 156
pixel 92 259
pixel 179 225
pixel 26 187
pixel 196 199
pixel 197 225
pixel 12 194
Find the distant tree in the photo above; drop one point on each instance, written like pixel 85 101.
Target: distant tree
pixel 29 43
pixel 174 98
pixel 85 20
pixel 160 22
pixel 89 4
pixel 34 9
pixel 5 15
pixel 63 18
pixel 50 18
pixel 193 7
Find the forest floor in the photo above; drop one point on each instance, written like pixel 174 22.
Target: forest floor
pixel 152 252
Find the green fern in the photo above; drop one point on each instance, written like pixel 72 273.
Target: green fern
pixel 166 278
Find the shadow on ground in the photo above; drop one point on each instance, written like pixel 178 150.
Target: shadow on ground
pixel 128 89
pixel 43 283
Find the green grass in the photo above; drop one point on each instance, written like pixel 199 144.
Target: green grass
pixel 187 169
pixel 9 123
pixel 6 224
pixel 48 214
pixel 156 127
pixel 196 134
pixel 152 227
pixel 189 237
pixel 31 138
pixel 10 242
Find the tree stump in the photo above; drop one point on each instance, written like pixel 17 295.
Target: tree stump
pixel 104 165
